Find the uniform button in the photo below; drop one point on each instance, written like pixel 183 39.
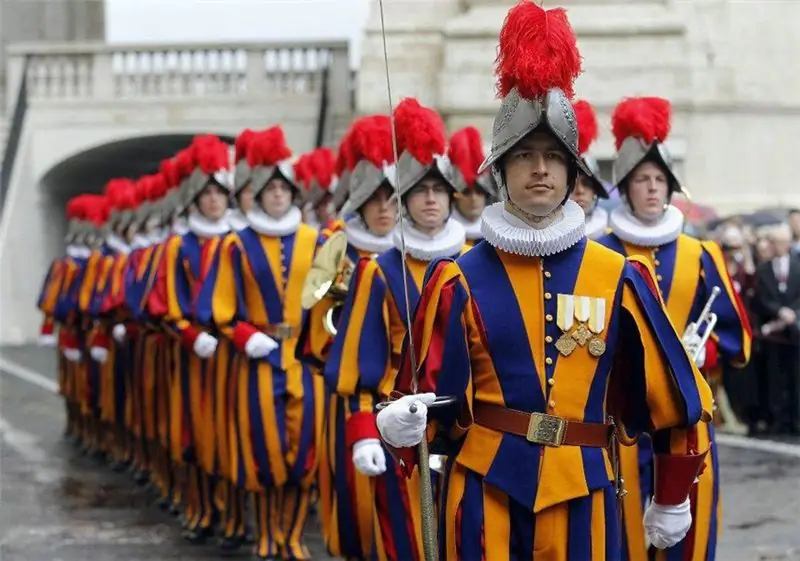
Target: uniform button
pixel 657 263
pixel 548 317
pixel 552 404
pixel 548 361
pixel 547 296
pixel 547 274
pixel 551 382
pixel 548 339
pixel 658 278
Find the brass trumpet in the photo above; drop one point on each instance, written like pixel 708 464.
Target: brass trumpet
pixel 707 320
pixel 329 277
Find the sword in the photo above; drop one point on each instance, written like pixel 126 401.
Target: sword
pixel 429 537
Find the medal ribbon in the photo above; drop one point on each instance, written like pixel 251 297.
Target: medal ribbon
pixel 597 315
pixel 565 312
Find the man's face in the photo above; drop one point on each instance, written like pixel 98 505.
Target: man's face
pixel 212 202
pixel 471 204
pixel 536 173
pixel 781 245
pixel 380 211
pixel 428 203
pixel 276 197
pixel 324 209
pixel 583 194
pixel 648 190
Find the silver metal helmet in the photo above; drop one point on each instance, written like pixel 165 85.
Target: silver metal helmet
pixel 640 126
pixel 537 64
pixel 364 181
pixel 269 157
pixel 368 144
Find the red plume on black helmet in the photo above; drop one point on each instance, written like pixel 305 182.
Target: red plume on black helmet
pixel 640 126
pixel 537 64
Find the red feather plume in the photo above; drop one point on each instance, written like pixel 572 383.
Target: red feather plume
pixel 323 166
pixel 169 171
pixel 268 148
pixel 184 161
pixel 341 155
pixel 372 140
pixel 420 131
pixel 242 143
pixel 538 52
pixel 587 125
pixel 645 118
pixel 158 187
pixel 466 153
pixel 302 171
pixel 210 154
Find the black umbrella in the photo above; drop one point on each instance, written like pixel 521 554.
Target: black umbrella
pixel 765 217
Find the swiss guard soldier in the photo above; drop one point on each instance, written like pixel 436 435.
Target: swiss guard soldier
pixel 589 189
pixel 688 274
pixel 539 335
pixel 475 191
pixel 365 355
pixel 241 194
pixel 252 295
pixel 346 494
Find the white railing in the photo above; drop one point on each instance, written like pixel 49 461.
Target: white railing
pixel 99 71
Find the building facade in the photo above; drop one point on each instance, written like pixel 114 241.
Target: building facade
pixel 726 65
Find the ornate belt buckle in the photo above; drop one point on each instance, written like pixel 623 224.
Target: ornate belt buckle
pixel 284 331
pixel 548 430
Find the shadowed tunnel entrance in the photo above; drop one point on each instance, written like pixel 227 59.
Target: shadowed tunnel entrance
pixel 88 172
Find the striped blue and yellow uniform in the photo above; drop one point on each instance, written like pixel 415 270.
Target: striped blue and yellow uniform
pixel 255 286
pixel 486 332
pixel 686 271
pixel 361 370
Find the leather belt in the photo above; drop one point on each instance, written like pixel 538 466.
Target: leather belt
pixel 541 428
pixel 281 331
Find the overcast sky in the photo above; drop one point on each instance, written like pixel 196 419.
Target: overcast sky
pixel 155 21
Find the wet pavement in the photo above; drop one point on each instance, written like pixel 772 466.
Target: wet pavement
pixel 57 504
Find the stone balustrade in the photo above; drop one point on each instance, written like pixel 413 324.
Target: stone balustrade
pixel 119 72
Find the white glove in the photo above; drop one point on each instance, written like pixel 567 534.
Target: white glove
pixel 436 462
pixel 99 354
pixel 47 340
pixel 205 345
pixel 260 345
pixel 118 333
pixel 72 355
pixel 368 457
pixel 401 428
pixel 667 525
pixel 692 343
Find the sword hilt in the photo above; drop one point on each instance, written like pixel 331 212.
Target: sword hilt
pixel 440 401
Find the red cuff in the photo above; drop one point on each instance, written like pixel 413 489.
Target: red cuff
pixel 675 476
pixel 68 340
pixel 712 356
pixel 48 327
pixel 360 426
pixel 189 336
pixel 100 339
pixel 241 334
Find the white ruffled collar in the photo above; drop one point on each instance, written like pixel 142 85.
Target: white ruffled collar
pixel 630 229
pixel 140 242
pixel 423 247
pixel 180 227
pixel 202 227
pixel 596 223
pixel 471 227
pixel 117 244
pixel 266 225
pixel 78 251
pixel 362 239
pixel 508 233
pixel 237 219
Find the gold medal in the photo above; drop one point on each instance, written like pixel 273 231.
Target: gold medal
pixel 597 347
pixel 582 335
pixel 565 344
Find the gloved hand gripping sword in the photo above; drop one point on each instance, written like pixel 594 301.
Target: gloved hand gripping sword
pixel 429 541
